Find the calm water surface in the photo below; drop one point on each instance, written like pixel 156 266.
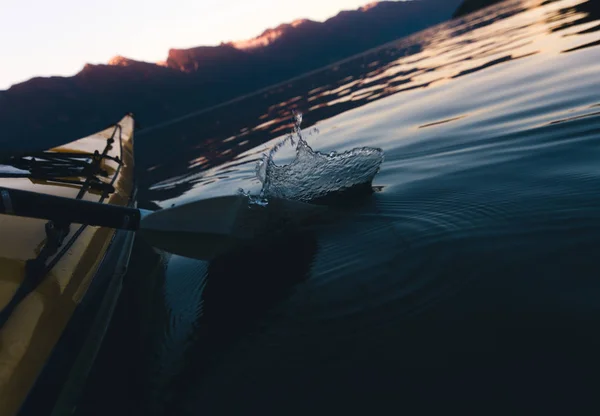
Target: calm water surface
pixel 469 278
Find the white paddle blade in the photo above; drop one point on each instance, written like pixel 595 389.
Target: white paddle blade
pixel 207 228
pixel 211 216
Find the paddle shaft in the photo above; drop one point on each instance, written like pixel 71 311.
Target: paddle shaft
pixel 67 210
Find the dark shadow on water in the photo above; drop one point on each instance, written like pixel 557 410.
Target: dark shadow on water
pixel 242 288
pixel 253 279
pixel 118 382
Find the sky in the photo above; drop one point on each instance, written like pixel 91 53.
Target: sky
pixel 58 37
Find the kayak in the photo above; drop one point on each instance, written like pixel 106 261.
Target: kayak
pixel 59 281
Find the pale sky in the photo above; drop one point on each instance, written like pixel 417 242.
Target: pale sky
pixel 57 37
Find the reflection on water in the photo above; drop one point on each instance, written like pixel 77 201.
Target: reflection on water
pixel 468 277
pixel 227 137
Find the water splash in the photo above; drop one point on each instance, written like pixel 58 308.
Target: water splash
pixel 254 200
pixel 312 175
pixel 261 166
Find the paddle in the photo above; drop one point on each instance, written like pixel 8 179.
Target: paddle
pixel 200 229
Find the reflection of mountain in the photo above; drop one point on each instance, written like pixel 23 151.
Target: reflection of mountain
pixel 47 111
pixel 585 13
pixel 470 6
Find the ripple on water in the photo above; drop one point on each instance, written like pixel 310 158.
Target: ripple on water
pixel 398 255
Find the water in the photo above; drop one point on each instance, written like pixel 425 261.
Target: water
pixel 466 280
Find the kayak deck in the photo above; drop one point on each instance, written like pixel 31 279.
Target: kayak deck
pixel 31 331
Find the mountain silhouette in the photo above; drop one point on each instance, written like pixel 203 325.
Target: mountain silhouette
pixel 44 112
pixel 470 6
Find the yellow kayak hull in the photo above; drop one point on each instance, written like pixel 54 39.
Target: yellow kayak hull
pixel 38 329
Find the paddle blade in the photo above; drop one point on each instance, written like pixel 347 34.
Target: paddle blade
pixel 207 228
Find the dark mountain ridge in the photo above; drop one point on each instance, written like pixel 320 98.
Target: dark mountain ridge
pixel 43 112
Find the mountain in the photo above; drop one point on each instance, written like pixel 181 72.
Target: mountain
pixel 470 6
pixel 43 112
pixel 271 35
